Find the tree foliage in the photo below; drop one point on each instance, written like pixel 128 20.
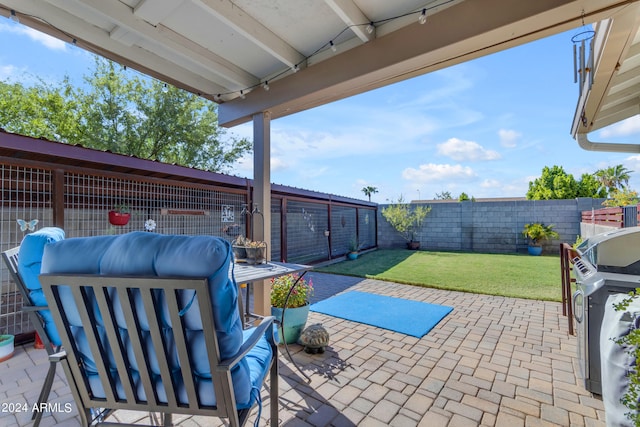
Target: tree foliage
pixel 624 197
pixel 123 114
pixel 588 186
pixel 445 195
pixel 554 183
pixel 369 190
pixel 405 218
pixel 613 178
pixel 465 197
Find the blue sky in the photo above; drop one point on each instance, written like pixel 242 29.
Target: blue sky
pixel 485 127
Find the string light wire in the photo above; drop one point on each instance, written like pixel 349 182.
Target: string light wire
pixel 219 97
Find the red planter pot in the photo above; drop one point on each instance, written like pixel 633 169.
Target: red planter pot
pixel 118 218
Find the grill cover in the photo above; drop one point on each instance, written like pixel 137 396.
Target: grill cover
pixel 616 360
pixel 614 252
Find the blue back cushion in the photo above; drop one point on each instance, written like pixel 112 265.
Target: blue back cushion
pixel 151 254
pixel 29 263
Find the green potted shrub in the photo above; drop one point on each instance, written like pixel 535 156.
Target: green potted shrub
pixel 406 220
pixel 120 214
pixel 537 233
pixel 299 291
pixel 354 247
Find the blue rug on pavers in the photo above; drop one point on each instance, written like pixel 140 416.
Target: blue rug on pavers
pixel 396 314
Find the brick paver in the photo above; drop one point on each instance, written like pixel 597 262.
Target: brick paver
pixel 492 361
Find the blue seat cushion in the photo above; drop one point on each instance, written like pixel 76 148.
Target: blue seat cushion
pixel 151 254
pixel 29 265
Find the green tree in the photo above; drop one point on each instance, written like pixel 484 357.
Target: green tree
pixel 624 197
pixel 405 218
pixel 128 115
pixel 43 110
pixel 554 183
pixel 464 197
pixel 588 186
pixel 613 178
pixel 369 190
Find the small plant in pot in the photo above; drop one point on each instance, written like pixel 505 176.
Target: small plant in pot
pixel 406 220
pixel 354 247
pixel 537 233
pixel 294 291
pixel 120 214
pixel 6 347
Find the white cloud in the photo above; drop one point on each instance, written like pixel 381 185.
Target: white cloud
pixel 626 127
pixel 35 35
pixel 460 150
pixel 490 183
pixel 508 137
pixel 8 71
pixel 432 172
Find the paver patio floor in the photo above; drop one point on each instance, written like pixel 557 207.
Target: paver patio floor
pixel 493 361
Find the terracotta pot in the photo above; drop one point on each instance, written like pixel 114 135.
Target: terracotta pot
pixel 118 218
pixel 413 245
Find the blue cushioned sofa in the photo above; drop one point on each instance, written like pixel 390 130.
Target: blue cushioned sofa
pixel 150 322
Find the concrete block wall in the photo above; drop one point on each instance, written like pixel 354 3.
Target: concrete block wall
pixel 493 227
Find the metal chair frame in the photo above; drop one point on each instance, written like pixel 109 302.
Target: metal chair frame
pixel 10 258
pixel 90 291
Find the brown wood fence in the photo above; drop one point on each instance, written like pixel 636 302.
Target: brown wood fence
pixel 611 217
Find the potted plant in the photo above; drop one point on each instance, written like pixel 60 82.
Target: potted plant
pixel 239 247
pixel 119 215
pixel 406 220
pixel 6 347
pixel 537 233
pixel 294 291
pixel 354 247
pixel 256 252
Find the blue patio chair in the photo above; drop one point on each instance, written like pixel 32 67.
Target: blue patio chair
pixel 151 323
pixel 24 263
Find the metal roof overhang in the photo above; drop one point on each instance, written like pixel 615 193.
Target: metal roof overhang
pixel 225 50
pixel 615 93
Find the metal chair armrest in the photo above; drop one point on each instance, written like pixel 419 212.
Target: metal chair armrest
pixel 34 308
pixel 57 357
pixel 255 336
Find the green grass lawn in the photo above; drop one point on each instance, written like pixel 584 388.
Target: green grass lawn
pixel 521 276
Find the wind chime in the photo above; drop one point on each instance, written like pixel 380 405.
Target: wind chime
pixel 583 60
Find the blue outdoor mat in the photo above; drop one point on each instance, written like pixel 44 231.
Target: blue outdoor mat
pixel 396 314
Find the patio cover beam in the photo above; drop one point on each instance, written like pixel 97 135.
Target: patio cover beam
pixel 462 32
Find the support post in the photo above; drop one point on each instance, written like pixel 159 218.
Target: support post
pixel 262 199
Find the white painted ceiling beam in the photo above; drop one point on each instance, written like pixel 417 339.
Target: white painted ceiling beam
pixel 252 30
pixel 353 17
pixel 155 11
pixel 452 36
pixel 190 51
pixel 95 40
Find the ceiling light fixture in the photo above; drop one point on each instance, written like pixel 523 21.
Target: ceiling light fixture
pixel 14 17
pixel 423 17
pixel 333 46
pixel 370 28
pixel 265 86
